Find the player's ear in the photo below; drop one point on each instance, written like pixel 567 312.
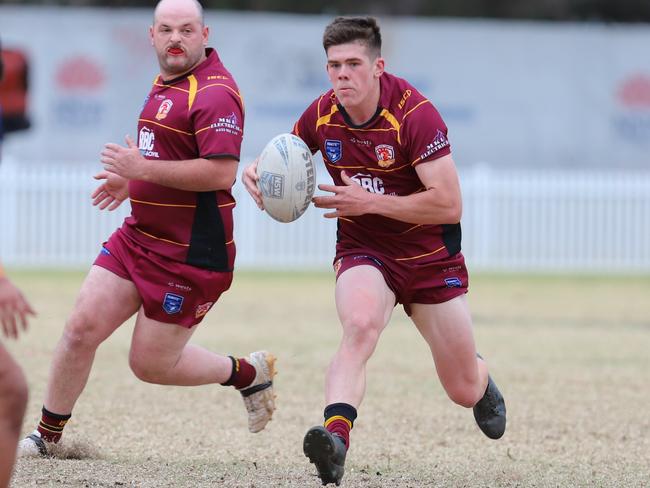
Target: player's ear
pixel 379 66
pixel 206 35
pixel 151 34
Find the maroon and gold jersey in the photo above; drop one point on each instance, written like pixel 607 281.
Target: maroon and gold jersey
pixel 381 156
pixel 198 115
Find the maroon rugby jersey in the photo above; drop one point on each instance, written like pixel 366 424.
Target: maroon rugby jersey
pixel 198 115
pixel 381 156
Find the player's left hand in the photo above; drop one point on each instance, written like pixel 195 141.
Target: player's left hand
pixel 14 309
pixel 125 161
pixel 348 200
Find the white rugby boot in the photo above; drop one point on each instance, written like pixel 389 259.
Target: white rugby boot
pixel 33 446
pixel 259 398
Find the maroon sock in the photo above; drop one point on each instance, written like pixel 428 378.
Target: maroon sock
pixel 339 418
pixel 243 373
pixel 51 425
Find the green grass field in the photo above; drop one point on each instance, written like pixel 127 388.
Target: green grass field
pixel 570 354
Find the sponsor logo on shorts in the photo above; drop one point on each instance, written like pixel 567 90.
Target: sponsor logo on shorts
pixel 385 155
pixel 202 309
pixel 333 149
pixel 172 303
pixel 369 258
pixel 453 282
pixel 179 286
pixel 337 265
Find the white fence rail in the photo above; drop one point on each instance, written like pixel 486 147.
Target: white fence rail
pixel 516 221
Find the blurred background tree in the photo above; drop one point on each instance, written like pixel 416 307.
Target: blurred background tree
pixel 559 10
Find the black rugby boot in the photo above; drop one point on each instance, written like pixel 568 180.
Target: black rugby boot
pixel 327 452
pixel 490 411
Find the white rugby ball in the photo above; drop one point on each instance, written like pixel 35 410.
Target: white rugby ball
pixel 287 177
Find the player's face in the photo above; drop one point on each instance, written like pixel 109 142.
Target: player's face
pixel 179 38
pixel 354 73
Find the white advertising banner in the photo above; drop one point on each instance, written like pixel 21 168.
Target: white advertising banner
pixel 513 94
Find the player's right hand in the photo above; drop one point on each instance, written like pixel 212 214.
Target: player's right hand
pixel 112 192
pixel 14 309
pixel 250 179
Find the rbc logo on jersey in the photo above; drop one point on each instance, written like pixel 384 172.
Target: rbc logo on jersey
pixel 146 141
pixel 453 282
pixel 333 149
pixel 372 184
pixel 172 303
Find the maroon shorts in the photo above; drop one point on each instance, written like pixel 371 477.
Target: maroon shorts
pixel 428 282
pixel 171 292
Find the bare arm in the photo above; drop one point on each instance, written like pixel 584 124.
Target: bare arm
pixel 440 203
pixel 193 175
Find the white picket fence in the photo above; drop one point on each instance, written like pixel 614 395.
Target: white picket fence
pixel 512 220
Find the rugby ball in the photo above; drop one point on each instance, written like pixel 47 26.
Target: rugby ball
pixel 286 177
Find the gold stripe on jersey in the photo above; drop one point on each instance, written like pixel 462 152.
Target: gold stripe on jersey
pixel 401 233
pixel 422 102
pixel 166 127
pixel 162 204
pixel 172 87
pixel 161 239
pixel 191 95
pixel 421 255
pixel 175 204
pixel 340 166
pixel 411 228
pixel 342 126
pixel 379 170
pixel 226 86
pixel 428 161
pixel 326 118
pixel 392 121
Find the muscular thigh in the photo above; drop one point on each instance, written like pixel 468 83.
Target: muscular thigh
pixel 447 328
pixel 159 341
pixel 362 295
pixel 104 302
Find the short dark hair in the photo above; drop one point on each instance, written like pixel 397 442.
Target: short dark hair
pixel 349 29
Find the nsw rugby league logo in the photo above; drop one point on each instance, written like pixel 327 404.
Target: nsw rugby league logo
pixel 333 149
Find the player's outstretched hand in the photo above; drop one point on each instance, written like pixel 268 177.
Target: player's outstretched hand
pixel 14 309
pixel 348 200
pixel 112 192
pixel 250 179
